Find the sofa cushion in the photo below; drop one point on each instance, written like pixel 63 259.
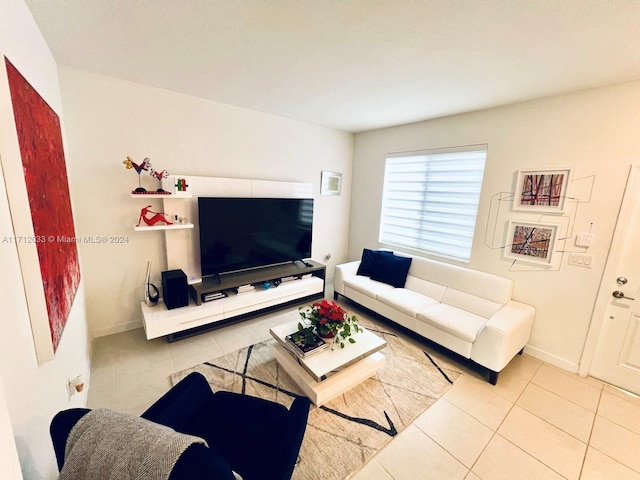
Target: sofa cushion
pixel 481 284
pixel 406 301
pixel 392 269
pixel 425 287
pixel 369 260
pixel 366 286
pixel 460 323
pixel 471 303
pixel 474 282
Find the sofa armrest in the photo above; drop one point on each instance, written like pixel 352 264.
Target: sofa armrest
pixel 503 336
pixel 341 272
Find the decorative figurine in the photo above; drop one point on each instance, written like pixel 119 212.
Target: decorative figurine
pixel 151 293
pixel 154 217
pixel 181 185
pixel 145 165
pixel 159 176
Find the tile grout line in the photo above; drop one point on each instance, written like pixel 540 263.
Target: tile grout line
pixel 530 382
pixel 561 396
pixel 495 432
pixel 555 426
pixel 593 424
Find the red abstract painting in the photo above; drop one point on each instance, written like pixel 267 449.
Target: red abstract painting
pixel 45 174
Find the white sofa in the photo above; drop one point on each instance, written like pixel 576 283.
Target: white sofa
pixel 467 311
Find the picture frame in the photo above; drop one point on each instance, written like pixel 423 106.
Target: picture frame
pixel 541 190
pixel 331 183
pixel 532 242
pixel 34 166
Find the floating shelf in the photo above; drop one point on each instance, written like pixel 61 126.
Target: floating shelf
pixel 174 226
pixel 161 195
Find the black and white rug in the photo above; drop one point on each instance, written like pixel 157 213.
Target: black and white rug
pixel 345 433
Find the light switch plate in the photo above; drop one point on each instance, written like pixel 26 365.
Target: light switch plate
pixel 584 239
pixel 581 259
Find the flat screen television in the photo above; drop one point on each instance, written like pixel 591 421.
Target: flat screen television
pixel 243 233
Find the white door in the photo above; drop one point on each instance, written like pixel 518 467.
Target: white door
pixel 617 353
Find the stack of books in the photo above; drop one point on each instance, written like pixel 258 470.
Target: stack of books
pixel 209 296
pixel 297 345
pixel 245 288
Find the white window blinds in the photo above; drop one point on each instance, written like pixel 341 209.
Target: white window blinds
pixel 430 200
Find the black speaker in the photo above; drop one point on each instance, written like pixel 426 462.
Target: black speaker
pixel 175 290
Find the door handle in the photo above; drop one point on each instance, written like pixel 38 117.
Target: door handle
pixel 619 294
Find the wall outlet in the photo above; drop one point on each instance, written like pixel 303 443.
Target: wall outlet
pixel 581 259
pixel 75 385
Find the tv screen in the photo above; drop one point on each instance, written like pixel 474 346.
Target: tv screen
pixel 243 233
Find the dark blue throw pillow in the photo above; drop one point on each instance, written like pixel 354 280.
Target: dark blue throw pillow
pixel 392 270
pixel 369 260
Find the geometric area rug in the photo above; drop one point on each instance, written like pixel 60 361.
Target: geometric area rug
pixel 343 434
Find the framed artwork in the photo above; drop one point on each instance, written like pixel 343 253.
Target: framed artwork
pixel 331 183
pixel 541 191
pixel 531 242
pixel 38 191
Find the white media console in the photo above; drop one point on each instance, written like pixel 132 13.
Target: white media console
pixel 297 284
pixel 307 282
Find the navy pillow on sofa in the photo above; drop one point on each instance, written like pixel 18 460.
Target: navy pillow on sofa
pixel 370 259
pixel 392 270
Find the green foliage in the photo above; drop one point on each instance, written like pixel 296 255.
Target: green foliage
pixel 304 332
pixel 327 318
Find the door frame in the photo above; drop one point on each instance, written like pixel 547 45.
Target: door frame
pixel 630 197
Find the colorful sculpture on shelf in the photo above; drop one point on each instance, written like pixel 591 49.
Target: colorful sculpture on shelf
pixel 151 218
pixel 145 165
pixel 181 185
pixel 151 292
pixel 159 176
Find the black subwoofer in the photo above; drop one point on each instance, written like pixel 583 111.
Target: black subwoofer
pixel 175 290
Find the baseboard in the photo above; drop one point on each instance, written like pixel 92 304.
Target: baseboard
pixel 551 359
pixel 122 327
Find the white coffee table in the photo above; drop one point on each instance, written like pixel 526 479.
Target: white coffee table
pixel 325 375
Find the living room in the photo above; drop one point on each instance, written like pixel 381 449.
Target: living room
pixel 105 119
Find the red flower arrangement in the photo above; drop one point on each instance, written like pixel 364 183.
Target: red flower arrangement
pixel 328 320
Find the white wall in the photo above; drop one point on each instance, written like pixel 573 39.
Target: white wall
pixel 9 461
pixel 109 119
pixel 596 132
pixel 33 393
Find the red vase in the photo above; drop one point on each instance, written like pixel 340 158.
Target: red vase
pixel 328 334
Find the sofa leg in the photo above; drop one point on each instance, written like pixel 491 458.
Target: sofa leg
pixel 521 351
pixel 335 295
pixel 493 377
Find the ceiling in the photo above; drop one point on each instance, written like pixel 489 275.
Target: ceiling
pixel 351 65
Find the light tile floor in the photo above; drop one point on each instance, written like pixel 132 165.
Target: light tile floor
pixel 538 422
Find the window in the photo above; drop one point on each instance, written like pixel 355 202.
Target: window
pixel 430 200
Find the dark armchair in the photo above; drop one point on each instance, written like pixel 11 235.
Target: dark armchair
pixel 256 438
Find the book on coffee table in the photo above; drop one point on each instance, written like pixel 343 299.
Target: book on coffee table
pixel 297 344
